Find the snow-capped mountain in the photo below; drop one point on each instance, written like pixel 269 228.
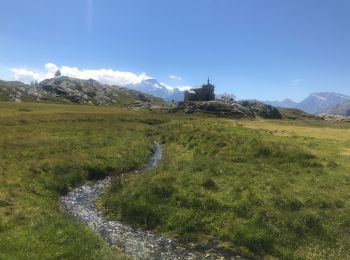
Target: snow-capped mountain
pixel 316 103
pixel 157 89
pixel 322 102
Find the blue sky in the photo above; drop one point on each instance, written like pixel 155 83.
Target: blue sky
pixel 264 49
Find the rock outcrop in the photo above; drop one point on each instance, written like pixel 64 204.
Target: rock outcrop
pixel 244 109
pixel 17 91
pixel 261 110
pixel 72 90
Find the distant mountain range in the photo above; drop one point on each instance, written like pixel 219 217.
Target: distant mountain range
pixel 145 93
pixel 287 103
pixel 318 103
pixel 157 89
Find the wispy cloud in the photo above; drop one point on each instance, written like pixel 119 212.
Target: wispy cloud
pixel 25 75
pixel 106 76
pixel 175 77
pixel 295 82
pixel 182 88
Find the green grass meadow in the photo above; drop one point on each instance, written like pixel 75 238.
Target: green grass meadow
pixel 261 189
pixel 246 191
pixel 46 150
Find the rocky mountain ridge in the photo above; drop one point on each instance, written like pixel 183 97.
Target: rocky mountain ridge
pixel 157 89
pixel 318 103
pixel 342 109
pixel 286 103
pixel 322 102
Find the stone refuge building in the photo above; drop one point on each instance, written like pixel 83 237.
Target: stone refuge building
pixel 205 93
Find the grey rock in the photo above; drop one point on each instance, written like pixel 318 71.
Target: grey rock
pixel 72 90
pixel 241 109
pixel 261 110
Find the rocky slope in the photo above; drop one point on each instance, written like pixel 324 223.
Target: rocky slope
pixel 17 91
pixel 294 114
pixel 242 109
pixel 72 90
pixel 342 109
pixel 261 110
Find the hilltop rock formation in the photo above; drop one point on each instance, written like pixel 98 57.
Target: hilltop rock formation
pixel 72 90
pixel 261 110
pixel 243 109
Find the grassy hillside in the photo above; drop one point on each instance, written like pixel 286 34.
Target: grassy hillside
pixel 280 189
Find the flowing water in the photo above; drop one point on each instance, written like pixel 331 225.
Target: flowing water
pixel 137 243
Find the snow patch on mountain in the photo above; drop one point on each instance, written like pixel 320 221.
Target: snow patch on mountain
pixel 158 89
pixel 318 97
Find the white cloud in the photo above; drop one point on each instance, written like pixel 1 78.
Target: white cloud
pixel 107 76
pixel 295 82
pixel 175 77
pixel 25 75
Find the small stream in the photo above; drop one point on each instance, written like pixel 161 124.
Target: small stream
pixel 137 243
